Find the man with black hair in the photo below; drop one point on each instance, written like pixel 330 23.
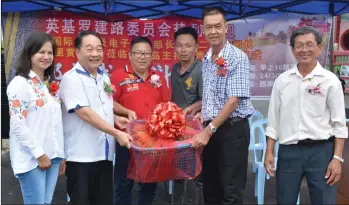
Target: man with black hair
pixel 226 106
pixel 186 78
pixel 88 123
pixel 138 90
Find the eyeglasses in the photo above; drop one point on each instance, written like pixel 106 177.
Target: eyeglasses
pixel 138 54
pixel 307 46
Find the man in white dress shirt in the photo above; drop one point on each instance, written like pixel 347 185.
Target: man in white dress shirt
pixel 88 122
pixel 307 117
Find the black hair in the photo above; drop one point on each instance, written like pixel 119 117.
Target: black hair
pixel 82 34
pixel 186 30
pixel 140 39
pixel 207 11
pixel 32 45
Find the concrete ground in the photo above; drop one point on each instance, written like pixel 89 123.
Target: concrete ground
pixel 11 193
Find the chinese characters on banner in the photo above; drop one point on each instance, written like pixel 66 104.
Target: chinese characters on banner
pixel 266 43
pixel 117 37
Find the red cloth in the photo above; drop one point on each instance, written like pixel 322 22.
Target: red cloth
pixel 135 94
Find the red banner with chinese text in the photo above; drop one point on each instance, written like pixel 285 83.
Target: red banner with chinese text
pixel 117 36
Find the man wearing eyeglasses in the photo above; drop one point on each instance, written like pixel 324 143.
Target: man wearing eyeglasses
pixel 307 117
pixel 138 90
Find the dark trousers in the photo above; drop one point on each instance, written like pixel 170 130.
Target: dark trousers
pixel 90 183
pixel 225 161
pixel 124 185
pixel 309 160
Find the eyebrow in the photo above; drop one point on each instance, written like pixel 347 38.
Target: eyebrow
pixel 89 45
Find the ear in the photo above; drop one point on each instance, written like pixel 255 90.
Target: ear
pixel 321 46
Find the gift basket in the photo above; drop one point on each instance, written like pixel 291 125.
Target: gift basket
pixel 161 148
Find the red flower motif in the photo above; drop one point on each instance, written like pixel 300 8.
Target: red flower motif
pixel 40 102
pixel 35 80
pixel 220 61
pixel 16 103
pixel 54 88
pixel 24 113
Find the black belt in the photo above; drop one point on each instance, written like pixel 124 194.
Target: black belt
pixel 314 142
pixel 229 121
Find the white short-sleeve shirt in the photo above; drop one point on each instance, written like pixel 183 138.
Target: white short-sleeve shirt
pixel 82 141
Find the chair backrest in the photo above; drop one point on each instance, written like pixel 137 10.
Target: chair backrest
pixel 256 116
pixel 259 125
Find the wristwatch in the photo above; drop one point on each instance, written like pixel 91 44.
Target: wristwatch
pixel 340 159
pixel 213 128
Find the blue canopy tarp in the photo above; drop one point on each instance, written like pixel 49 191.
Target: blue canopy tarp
pixel 236 9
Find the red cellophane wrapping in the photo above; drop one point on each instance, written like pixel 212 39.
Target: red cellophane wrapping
pixel 161 149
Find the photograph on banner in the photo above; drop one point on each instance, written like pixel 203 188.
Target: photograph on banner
pixel 117 36
pixel 341 49
pixel 266 41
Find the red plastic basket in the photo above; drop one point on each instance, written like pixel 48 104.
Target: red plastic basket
pixel 152 165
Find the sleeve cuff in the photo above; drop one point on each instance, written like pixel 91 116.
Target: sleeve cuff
pixel 341 132
pixel 76 108
pixel 37 151
pixel 270 132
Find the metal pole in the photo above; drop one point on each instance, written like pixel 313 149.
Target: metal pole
pixel 331 44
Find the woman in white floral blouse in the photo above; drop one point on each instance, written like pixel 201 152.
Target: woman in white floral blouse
pixel 36 132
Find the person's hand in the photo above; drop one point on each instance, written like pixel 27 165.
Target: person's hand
pixel 199 116
pixel 44 162
pixel 124 139
pixel 334 171
pixel 121 122
pixel 201 139
pixel 187 111
pixel 131 115
pixel 269 164
pixel 62 167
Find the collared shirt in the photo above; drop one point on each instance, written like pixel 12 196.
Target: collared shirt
pixel 83 142
pixel 236 83
pixel 299 111
pixel 186 87
pixel 137 94
pixel 35 123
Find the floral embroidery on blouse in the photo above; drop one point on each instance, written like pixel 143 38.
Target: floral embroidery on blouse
pixel 18 107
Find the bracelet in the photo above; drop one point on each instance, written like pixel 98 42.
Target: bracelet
pixel 340 159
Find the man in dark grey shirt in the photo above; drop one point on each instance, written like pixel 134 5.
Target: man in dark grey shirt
pixel 186 82
pixel 186 75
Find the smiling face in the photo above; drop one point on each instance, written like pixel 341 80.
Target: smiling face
pixel 43 58
pixel 90 53
pixel 306 50
pixel 140 57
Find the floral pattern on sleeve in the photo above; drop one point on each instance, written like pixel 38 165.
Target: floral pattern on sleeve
pixel 18 107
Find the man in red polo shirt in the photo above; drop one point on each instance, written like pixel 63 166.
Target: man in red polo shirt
pixel 138 90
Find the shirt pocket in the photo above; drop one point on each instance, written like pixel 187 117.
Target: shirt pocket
pixel 220 90
pixel 315 104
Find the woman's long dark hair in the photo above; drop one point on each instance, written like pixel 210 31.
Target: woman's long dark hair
pixel 33 45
